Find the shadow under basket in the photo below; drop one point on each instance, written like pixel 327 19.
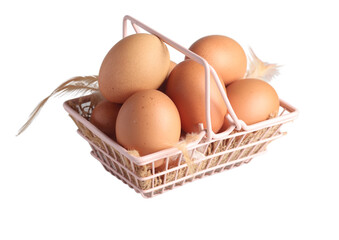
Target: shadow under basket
pixel 206 157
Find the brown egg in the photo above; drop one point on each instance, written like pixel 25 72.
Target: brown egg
pixel 225 125
pixel 148 122
pixel 172 65
pixel 186 87
pixel 224 54
pixel 104 117
pixel 137 62
pixel 162 88
pixel 253 100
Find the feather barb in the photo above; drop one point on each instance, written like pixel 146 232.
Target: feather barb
pixel 80 84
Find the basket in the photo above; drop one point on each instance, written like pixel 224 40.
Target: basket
pixel 204 154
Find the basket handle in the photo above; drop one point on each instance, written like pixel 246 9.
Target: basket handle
pixel 208 70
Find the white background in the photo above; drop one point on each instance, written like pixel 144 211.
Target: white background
pixel 50 186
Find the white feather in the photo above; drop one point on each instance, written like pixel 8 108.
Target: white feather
pixel 259 69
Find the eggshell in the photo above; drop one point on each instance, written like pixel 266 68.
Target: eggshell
pixel 224 54
pixel 225 125
pixel 163 85
pixel 148 122
pixel 171 66
pixel 104 117
pixel 137 62
pixel 253 100
pixel 186 87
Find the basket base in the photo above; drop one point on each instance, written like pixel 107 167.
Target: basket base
pixel 173 184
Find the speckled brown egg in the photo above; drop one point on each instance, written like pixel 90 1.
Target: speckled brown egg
pixel 104 117
pixel 137 62
pixel 253 100
pixel 186 87
pixel 162 88
pixel 148 122
pixel 224 54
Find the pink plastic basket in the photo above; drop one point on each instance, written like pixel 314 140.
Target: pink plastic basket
pixel 208 152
